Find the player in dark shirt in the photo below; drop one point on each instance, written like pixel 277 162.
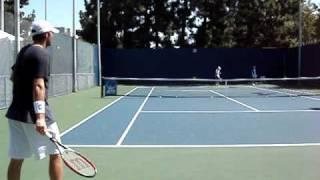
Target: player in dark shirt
pixel 29 113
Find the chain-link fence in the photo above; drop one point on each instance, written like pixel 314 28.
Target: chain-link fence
pixel 61 66
pixel 86 65
pixel 5 91
pixel 6 61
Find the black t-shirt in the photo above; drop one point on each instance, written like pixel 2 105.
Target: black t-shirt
pixel 32 62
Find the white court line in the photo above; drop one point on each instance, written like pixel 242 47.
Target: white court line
pixel 305 92
pixel 233 100
pixel 134 119
pixel 271 90
pixel 231 112
pixel 311 94
pixel 190 90
pixel 197 146
pixel 281 92
pixel 97 112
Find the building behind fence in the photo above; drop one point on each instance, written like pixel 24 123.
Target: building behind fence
pixel 61 66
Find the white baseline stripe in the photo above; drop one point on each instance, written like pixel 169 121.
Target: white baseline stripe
pixel 281 92
pixel 222 112
pixel 134 119
pixel 233 100
pixel 197 146
pixel 97 112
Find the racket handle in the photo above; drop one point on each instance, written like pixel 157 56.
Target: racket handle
pixel 49 134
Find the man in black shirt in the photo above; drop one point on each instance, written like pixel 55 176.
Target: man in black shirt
pixel 29 113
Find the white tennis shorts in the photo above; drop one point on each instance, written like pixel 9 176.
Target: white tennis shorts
pixel 24 141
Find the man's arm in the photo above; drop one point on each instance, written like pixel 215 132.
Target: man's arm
pixel 39 93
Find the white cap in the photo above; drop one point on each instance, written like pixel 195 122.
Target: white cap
pixel 42 26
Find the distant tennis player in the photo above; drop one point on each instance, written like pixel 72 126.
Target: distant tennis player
pixel 218 75
pixel 254 74
pixel 29 113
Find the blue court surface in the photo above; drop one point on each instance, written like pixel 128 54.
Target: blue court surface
pixel 241 116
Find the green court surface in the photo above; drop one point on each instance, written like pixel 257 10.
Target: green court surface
pixel 259 163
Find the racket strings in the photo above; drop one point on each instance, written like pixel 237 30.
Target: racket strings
pixel 78 163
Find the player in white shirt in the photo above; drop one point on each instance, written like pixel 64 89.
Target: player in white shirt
pixel 218 74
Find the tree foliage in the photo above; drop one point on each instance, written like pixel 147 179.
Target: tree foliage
pixel 199 23
pixel 9 5
pixel 25 19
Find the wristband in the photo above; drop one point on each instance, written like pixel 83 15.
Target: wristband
pixel 40 122
pixel 39 107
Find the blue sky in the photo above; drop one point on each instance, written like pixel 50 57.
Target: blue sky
pixel 59 11
pixel 316 1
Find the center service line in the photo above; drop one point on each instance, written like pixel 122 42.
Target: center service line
pixel 133 119
pixel 233 100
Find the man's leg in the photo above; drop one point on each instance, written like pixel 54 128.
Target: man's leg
pixel 14 169
pixel 55 167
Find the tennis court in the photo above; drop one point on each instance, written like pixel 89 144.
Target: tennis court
pixel 202 116
pixel 180 145
pixel 203 129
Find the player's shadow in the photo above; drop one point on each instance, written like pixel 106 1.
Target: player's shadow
pixel 263 93
pixel 316 109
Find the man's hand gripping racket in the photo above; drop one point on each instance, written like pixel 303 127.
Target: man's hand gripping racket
pixel 74 160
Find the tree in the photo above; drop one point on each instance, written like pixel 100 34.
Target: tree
pixel 9 5
pixel 218 23
pixel 198 23
pixel 127 24
pixel 26 19
pixel 317 26
pixel 310 23
pixel 117 22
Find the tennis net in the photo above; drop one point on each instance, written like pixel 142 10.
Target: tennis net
pixel 211 88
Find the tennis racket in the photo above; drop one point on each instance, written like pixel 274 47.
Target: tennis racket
pixel 74 160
